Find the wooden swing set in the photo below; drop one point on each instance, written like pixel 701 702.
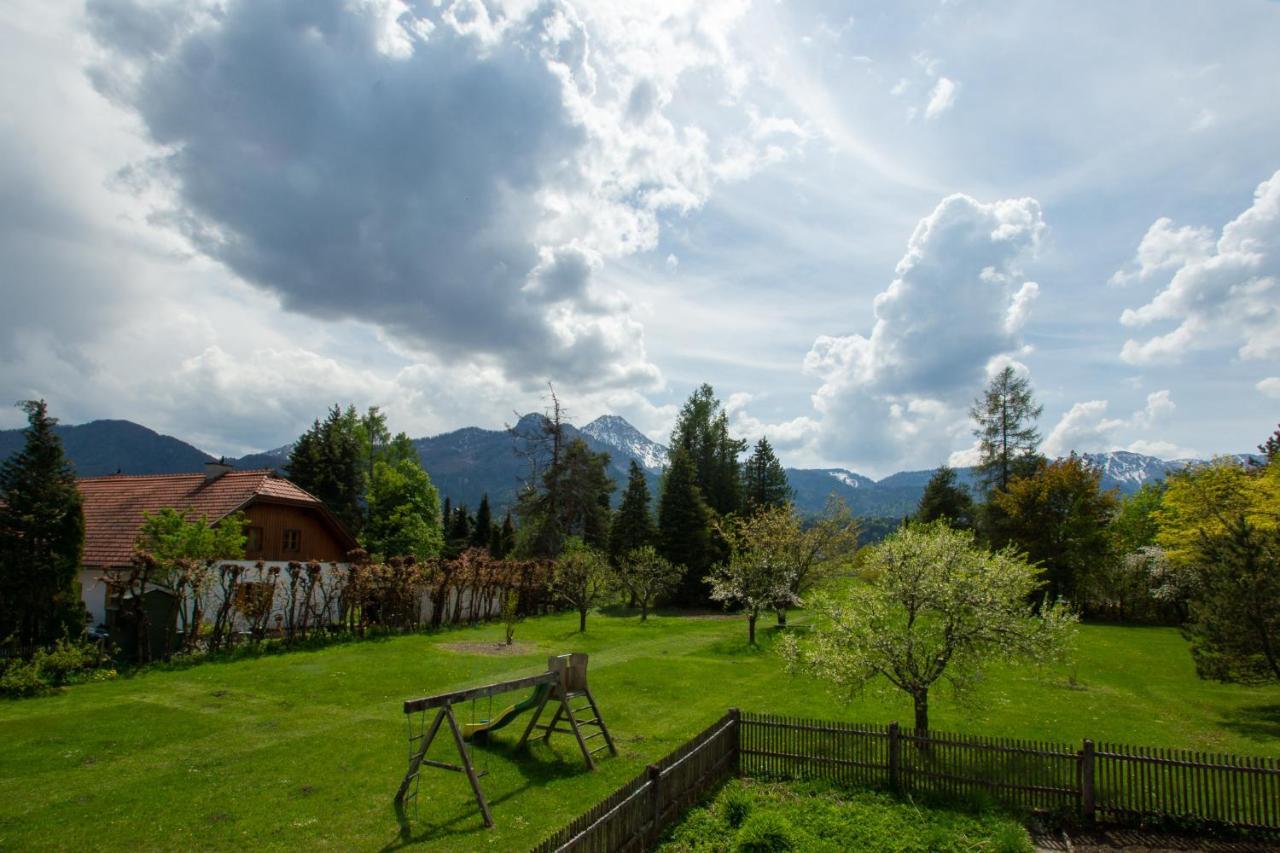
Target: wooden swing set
pixel 564 682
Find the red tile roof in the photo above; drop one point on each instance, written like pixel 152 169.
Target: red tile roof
pixel 113 505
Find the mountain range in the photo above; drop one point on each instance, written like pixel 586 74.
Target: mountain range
pixel 470 462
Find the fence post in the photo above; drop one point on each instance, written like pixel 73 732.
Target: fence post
pixel 736 716
pixel 1087 802
pixel 895 750
pixel 655 804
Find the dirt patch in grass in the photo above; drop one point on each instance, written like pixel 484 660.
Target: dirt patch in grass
pixel 490 648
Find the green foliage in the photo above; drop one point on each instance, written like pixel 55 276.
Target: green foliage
pixel 764 481
pixel 333 460
pixel 765 832
pixel 483 530
pixel 580 578
pixel 763 561
pixel 633 522
pixel 936 607
pixel 68 661
pixel 1234 625
pixel 511 615
pixel 175 538
pixel 702 431
pixel 646 575
pixel 573 501
pixel 945 498
pixel 684 527
pixel 1134 524
pixel 41 538
pixel 823 818
pixel 1058 517
pixel 1005 414
pixel 403 511
pixel 1203 501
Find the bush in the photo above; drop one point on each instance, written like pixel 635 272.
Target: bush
pixel 765 832
pixel 736 805
pixel 68 662
pixel 21 679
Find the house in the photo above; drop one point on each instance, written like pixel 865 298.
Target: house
pixel 285 523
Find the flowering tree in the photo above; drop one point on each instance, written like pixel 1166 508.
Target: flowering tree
pixel 761 569
pixel 580 578
pixel 646 574
pixel 935 607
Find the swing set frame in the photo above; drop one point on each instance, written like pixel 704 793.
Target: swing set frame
pixel 566 677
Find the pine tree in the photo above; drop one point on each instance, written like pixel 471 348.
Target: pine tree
pixel 329 461
pixel 41 537
pixel 458 534
pixel 945 498
pixel 573 501
pixel 446 515
pixel 764 481
pixel 482 532
pixel 508 537
pixel 684 521
pixel 632 524
pixel 1006 431
pixel 702 431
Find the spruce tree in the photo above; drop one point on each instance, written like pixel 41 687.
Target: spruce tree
pixel 1006 414
pixel 573 501
pixel 632 524
pixel 446 515
pixel 764 481
pixel 458 534
pixel 945 498
pixel 684 521
pixel 41 538
pixel 482 531
pixel 330 461
pixel 702 431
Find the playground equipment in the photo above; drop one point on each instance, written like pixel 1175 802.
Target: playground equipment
pixel 564 682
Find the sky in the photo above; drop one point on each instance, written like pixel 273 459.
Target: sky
pixel 218 217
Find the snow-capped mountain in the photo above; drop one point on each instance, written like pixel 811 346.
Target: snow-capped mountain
pixel 619 435
pixel 1129 471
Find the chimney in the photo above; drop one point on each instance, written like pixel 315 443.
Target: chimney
pixel 214 470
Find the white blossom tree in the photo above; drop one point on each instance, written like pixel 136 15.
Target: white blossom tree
pixel 761 569
pixel 935 607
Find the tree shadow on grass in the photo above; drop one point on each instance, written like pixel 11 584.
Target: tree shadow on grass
pixel 1256 722
pixel 537 765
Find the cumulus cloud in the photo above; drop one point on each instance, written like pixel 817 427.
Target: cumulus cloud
pixel 1270 387
pixel 1223 293
pixel 1086 428
pixel 455 174
pixel 954 310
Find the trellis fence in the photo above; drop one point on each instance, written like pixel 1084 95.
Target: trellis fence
pixel 1102 782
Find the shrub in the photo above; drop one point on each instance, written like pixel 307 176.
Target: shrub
pixel 765 832
pixel 736 806
pixel 21 679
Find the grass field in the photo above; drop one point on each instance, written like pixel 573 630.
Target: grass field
pixel 307 748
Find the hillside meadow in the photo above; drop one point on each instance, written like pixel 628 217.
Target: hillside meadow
pixel 306 749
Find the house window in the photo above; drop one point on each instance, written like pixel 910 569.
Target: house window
pixel 292 540
pixel 252 540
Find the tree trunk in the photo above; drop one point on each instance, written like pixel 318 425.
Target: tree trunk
pixel 782 617
pixel 922 710
pixel 644 610
pixel 751 629
pixel 582 619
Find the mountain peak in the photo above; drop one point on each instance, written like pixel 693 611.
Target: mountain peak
pixel 617 432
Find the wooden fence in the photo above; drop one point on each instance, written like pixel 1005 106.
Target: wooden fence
pixel 1104 782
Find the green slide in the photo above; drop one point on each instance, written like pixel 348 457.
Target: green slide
pixel 480 730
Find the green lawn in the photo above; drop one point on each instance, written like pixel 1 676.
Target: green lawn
pixel 307 748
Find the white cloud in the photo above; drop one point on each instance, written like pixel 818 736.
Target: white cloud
pixel 941 98
pixel 1227 294
pixel 1085 428
pixel 899 395
pixel 1270 387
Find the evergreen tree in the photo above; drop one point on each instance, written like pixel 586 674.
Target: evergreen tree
pixel 329 461
pixel 573 501
pixel 632 524
pixel 41 537
pixel 702 431
pixel 764 481
pixel 1271 447
pixel 945 498
pixel 483 531
pixel 1006 431
pixel 507 538
pixel 458 536
pixel 446 514
pixel 684 522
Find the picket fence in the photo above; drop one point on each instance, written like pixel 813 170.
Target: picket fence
pixel 1106 783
